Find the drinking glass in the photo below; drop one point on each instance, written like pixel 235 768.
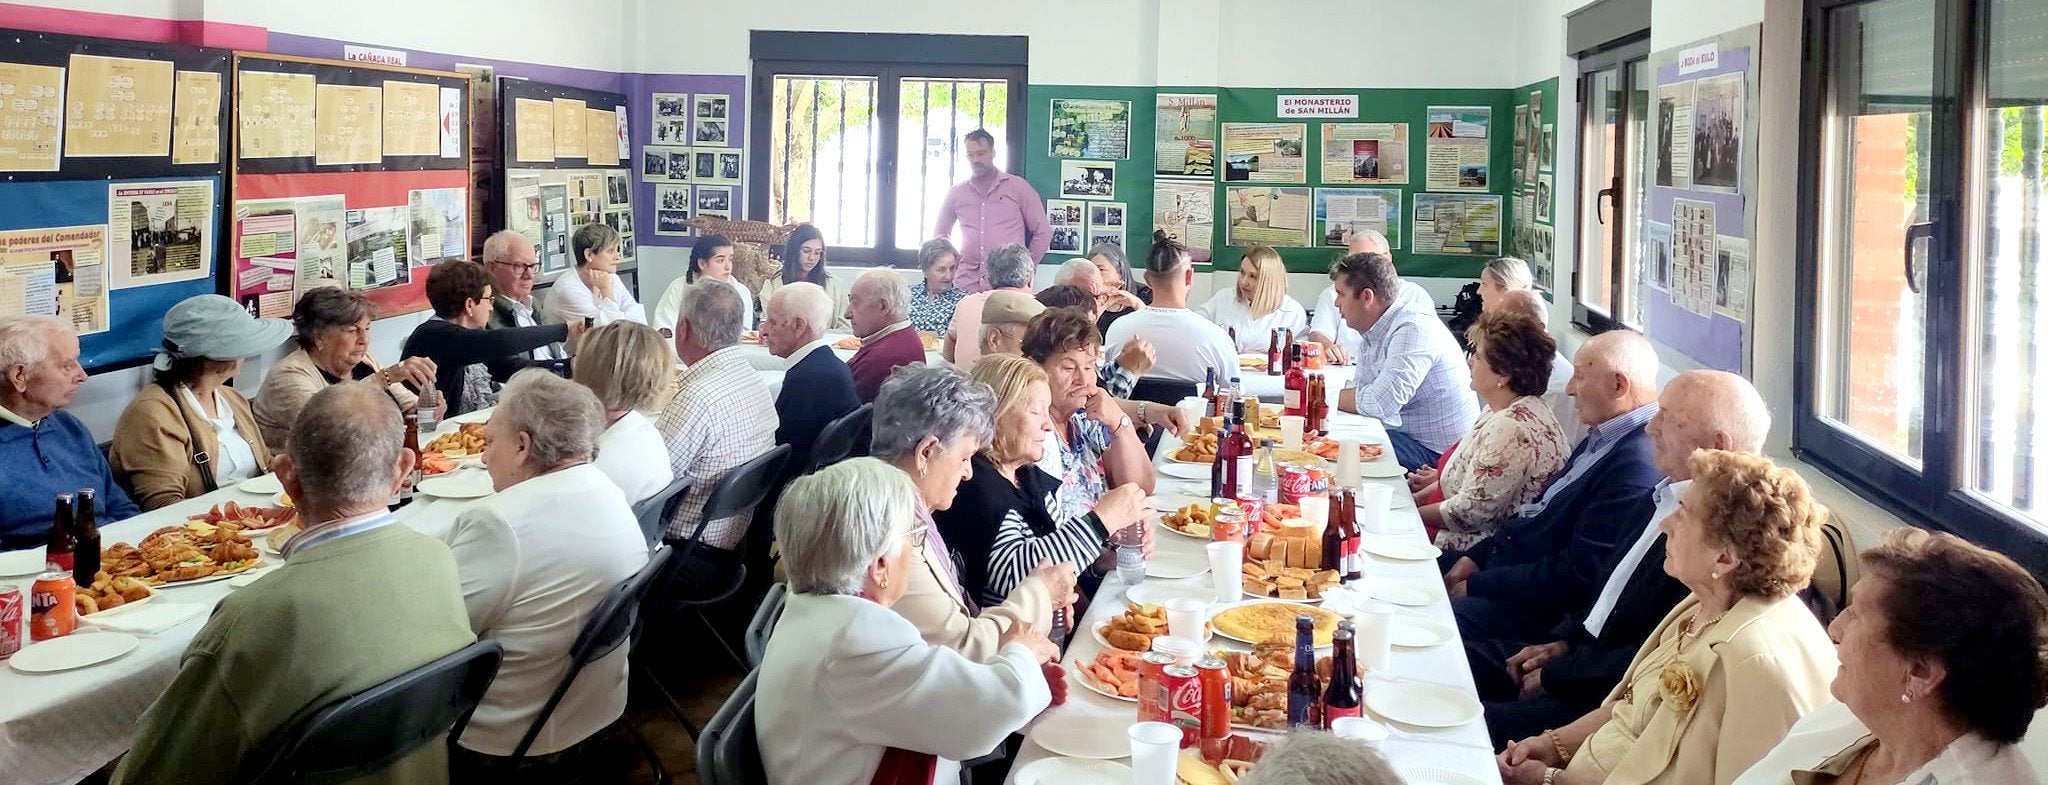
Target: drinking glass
pixel 1155 746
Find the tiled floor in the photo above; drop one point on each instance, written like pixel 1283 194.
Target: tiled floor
pixel 700 698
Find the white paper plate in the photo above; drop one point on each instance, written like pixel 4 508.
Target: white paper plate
pixel 21 564
pixel 1178 533
pixel 1256 601
pixel 1402 595
pixel 1072 771
pixel 1435 776
pixel 1384 469
pixel 1078 676
pixel 1104 624
pixel 1412 633
pixel 1422 705
pixel 452 486
pixel 1077 735
pixel 247 578
pixel 261 485
pixel 1400 548
pixel 480 415
pixel 1159 593
pixel 215 578
pixel 282 500
pixel 1185 471
pixel 1168 563
pixel 77 650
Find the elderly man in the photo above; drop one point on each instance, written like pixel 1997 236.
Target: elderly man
pixel 1412 376
pixel 1009 269
pixel 817 388
pixel 45 450
pixel 722 416
pixel 535 560
pixel 514 267
pixel 1327 327
pixel 994 209
pixel 1530 688
pixel 1003 320
pixel 1186 346
pixel 878 306
pixel 357 601
pixel 1315 758
pixel 1545 561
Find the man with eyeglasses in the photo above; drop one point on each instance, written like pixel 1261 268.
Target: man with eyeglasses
pixel 514 268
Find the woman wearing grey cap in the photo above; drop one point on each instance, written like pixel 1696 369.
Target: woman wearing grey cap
pixel 188 433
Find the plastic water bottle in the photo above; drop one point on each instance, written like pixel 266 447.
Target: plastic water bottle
pixel 1130 556
pixel 430 418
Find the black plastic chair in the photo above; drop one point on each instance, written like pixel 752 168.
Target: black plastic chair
pixel 610 626
pixel 370 730
pixel 843 438
pixel 763 624
pixel 1166 391
pixel 727 752
pixel 653 511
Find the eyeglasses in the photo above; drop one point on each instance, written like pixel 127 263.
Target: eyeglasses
pixel 918 536
pixel 528 269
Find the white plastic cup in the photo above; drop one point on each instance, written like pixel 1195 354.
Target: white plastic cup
pixel 1290 431
pixel 1193 407
pixel 1359 729
pixel 1185 651
pixel 1373 503
pixel 1226 565
pixel 1349 475
pixel 1373 634
pixel 1154 749
pixel 1185 617
pixel 1315 509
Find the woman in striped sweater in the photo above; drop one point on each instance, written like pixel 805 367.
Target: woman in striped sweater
pixel 1001 524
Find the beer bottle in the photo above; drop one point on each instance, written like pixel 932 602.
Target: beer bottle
pixel 412 443
pixel 1346 694
pixel 1333 541
pixel 57 554
pixel 86 556
pixel 1354 535
pixel 1304 690
pixel 1209 392
pixel 1274 361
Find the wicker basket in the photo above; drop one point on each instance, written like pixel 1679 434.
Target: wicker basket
pixel 756 246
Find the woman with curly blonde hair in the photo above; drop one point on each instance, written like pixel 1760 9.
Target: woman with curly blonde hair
pixel 1732 667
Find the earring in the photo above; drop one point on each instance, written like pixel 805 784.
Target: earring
pixel 1717 575
pixel 1905 697
pixel 885 581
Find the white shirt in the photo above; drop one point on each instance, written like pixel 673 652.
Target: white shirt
pixel 1827 738
pixel 570 299
pixel 1668 495
pixel 233 459
pixel 522 316
pixel 1562 405
pixel 669 309
pixel 1254 333
pixel 1187 346
pixel 632 454
pixel 805 351
pixel 535 560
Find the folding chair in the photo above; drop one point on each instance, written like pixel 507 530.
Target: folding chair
pixel 370 730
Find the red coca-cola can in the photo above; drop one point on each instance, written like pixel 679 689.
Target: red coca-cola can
pixel 1216 700
pixel 1152 697
pixel 1295 482
pixel 52 609
pixel 1254 513
pixel 11 611
pixel 1183 702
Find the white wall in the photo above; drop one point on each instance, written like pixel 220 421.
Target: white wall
pixel 583 34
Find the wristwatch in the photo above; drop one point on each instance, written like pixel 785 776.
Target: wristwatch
pixel 1141 412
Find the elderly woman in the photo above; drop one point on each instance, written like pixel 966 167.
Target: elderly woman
pixel 930 421
pixel 1942 671
pixel 536 559
pixel 1098 444
pixel 932 299
pixel 1259 304
pixel 1732 667
pixel 1517 445
pixel 594 291
pixel 847 687
pixel 332 328
pixel 46 450
pixel 1315 758
pixel 710 257
pixel 628 366
pixel 1006 519
pixel 1122 294
pixel 1500 276
pixel 468 359
pixel 188 433
pixel 803 259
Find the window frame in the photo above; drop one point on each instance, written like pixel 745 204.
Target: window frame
pixel 1617 56
pixel 1934 496
pixel 889 59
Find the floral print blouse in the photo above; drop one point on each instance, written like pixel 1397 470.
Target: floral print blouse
pixel 933 313
pixel 1503 463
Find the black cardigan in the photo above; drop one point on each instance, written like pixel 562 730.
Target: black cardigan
pixel 453 348
pixel 1000 531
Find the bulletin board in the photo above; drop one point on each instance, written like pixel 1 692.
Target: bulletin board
pixel 110 173
pixel 566 163
pixel 1699 224
pixel 1532 207
pixel 344 174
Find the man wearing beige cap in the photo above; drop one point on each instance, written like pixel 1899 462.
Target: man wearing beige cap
pixel 1003 320
pixel 1009 269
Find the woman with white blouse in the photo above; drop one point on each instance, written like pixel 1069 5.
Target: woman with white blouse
pixel 629 367
pixel 593 290
pixel 1259 304
pixel 710 257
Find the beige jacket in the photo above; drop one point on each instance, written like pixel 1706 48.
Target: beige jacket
pixel 933 603
pixel 1762 667
pixel 152 449
pixel 290 383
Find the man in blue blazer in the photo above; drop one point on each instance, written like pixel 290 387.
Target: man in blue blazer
pixel 817 388
pixel 1546 561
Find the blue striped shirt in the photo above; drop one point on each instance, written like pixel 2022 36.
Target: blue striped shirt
pixel 1599 441
pixel 1412 377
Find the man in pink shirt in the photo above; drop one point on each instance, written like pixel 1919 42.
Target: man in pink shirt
pixel 994 208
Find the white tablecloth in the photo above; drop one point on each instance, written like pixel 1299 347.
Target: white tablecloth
pixel 1272 389
pixel 1464 749
pixel 59 727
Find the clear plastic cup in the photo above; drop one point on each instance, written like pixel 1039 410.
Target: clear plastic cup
pixel 1315 509
pixel 1373 634
pixel 1226 565
pixel 1185 617
pixel 1155 746
pixel 1349 474
pixel 1193 407
pixel 1373 502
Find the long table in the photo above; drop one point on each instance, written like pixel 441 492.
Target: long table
pixel 1463 750
pixel 56 728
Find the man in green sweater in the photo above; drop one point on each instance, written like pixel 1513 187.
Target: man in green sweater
pixel 360 599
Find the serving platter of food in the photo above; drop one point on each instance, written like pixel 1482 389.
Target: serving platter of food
pixel 1134 629
pixel 1263 621
pixel 183 555
pixel 108 595
pixel 467 439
